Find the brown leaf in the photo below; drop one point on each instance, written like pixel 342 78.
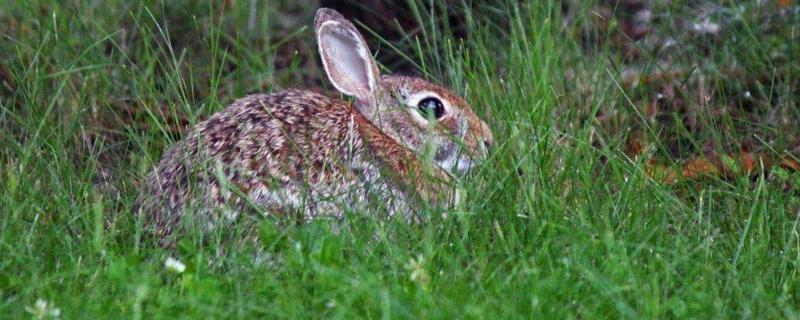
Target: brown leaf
pixel 696 167
pixel 790 163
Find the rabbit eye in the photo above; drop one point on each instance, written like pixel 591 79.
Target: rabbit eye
pixel 431 108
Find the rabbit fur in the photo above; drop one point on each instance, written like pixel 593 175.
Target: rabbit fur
pixel 300 151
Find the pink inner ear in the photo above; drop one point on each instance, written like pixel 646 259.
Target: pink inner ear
pixel 347 61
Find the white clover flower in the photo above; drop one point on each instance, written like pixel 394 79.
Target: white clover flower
pixel 174 265
pixel 44 310
pixel 706 26
pixel 418 273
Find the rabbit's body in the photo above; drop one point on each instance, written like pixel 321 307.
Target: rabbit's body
pixel 313 158
pixel 299 151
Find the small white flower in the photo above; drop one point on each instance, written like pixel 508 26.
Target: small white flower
pixel 417 269
pixel 44 310
pixel 747 94
pixel 644 16
pixel 174 265
pixel 330 304
pixel 706 26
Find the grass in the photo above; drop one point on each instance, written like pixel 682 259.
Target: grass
pixel 561 222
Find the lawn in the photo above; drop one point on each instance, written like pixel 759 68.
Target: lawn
pixel 645 161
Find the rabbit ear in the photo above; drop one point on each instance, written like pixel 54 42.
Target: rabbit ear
pixel 345 56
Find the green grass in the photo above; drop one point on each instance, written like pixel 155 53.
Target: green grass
pixel 559 223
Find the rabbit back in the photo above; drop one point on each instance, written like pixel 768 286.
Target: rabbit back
pixel 290 152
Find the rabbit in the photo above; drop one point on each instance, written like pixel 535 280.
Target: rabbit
pixel 300 151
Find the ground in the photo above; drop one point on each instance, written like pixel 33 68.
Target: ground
pixel 645 161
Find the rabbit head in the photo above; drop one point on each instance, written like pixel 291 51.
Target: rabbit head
pixel 422 116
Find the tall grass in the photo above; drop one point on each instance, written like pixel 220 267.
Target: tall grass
pixel 558 223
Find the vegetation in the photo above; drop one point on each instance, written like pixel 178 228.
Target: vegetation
pixel 644 164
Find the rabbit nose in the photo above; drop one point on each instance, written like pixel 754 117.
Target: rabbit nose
pixel 487 144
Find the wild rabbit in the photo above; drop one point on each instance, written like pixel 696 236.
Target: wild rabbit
pixel 304 152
